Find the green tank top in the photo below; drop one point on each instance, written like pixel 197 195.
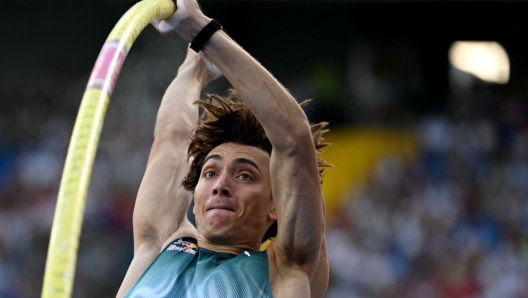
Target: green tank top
pixel 183 270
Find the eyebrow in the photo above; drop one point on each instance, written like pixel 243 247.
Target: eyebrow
pixel 214 156
pixel 240 160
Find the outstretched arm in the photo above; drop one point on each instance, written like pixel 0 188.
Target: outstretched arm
pixel 296 187
pixel 299 250
pixel 161 203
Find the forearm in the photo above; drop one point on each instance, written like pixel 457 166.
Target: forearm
pixel 271 103
pixel 177 113
pixel 275 108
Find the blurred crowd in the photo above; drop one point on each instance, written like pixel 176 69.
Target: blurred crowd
pixel 450 223
pixel 32 153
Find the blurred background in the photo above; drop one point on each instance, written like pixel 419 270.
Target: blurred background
pixel 427 102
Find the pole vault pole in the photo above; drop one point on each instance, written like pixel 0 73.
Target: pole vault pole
pixel 69 211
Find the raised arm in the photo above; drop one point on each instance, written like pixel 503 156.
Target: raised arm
pixel 299 249
pixel 296 187
pixel 161 203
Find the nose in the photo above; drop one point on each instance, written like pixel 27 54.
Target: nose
pixel 221 186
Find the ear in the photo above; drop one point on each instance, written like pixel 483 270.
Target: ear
pixel 272 215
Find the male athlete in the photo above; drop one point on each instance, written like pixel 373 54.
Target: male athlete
pixel 252 166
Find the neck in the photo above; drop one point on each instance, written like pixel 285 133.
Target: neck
pixel 233 249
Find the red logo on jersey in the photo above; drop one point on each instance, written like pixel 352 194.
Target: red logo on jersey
pixel 189 246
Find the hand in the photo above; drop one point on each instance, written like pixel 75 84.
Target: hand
pixel 187 21
pixel 201 65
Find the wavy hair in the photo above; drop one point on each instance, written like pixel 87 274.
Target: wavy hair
pixel 228 119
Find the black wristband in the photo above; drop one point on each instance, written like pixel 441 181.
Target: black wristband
pixel 204 35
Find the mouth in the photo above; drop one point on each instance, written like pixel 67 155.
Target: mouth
pixel 221 208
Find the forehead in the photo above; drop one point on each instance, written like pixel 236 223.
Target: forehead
pixel 230 151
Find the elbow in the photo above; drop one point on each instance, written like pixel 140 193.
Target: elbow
pixel 297 136
pixel 171 133
pixel 169 127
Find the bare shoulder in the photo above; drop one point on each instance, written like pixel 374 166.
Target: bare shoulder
pixel 289 279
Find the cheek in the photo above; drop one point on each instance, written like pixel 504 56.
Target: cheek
pixel 199 195
pixel 260 201
pixel 201 187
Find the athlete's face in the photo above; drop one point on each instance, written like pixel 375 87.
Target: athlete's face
pixel 233 200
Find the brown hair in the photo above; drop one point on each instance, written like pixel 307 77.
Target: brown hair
pixel 228 119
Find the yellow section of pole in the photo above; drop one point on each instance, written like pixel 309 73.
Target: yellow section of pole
pixel 69 211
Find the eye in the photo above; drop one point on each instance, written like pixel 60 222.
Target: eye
pixel 209 174
pixel 245 177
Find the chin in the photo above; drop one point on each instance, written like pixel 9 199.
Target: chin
pixel 221 236
pixel 219 230
pixel 219 220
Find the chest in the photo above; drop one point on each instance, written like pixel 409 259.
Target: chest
pixel 183 270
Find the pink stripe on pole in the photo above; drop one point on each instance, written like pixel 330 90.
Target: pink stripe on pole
pixel 106 70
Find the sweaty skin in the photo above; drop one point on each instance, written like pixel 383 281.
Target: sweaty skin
pixel 241 189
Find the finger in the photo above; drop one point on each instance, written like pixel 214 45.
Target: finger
pixel 165 26
pixel 156 23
